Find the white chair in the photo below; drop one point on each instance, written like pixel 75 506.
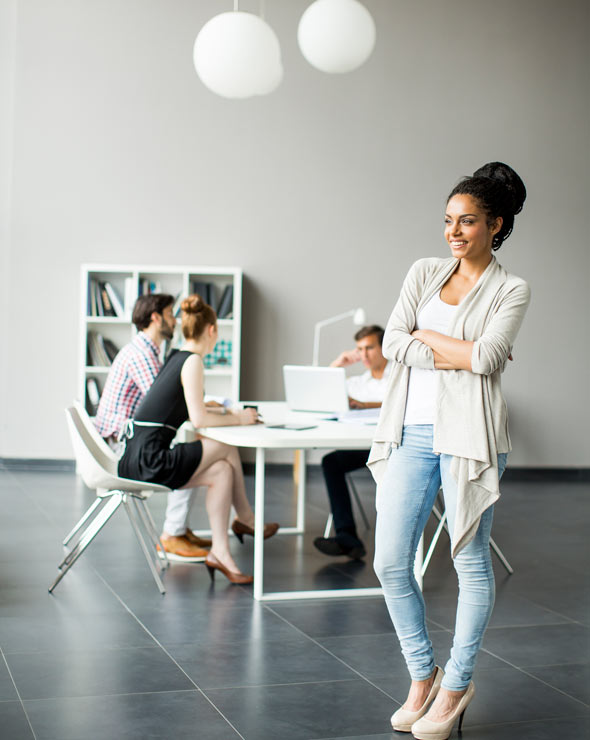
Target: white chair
pixel 97 464
pixel 442 524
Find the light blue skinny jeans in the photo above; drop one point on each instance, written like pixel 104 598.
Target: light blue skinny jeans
pixel 405 499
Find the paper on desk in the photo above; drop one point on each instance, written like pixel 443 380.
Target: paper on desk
pixel 227 402
pixel 360 416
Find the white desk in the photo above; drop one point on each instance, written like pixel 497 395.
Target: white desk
pixel 326 435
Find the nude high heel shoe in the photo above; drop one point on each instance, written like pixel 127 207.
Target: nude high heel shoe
pixel 213 564
pixel 240 529
pixel 425 729
pixel 403 719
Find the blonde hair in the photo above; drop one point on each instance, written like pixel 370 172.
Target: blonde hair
pixel 196 316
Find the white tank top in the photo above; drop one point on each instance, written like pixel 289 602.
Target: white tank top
pixel 423 385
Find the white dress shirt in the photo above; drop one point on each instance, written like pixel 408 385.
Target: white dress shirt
pixel 366 388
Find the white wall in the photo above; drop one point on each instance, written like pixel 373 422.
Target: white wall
pixel 324 192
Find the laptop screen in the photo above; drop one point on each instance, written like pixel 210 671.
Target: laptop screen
pixel 310 388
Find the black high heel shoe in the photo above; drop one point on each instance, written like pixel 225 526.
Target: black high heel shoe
pixel 240 529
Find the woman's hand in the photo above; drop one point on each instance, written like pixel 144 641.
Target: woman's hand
pixel 449 353
pixel 247 416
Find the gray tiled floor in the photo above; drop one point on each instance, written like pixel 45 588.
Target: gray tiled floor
pixel 107 657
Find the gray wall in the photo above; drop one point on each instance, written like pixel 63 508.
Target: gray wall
pixel 324 192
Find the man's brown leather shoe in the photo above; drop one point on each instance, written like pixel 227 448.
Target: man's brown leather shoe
pixel 180 550
pixel 196 540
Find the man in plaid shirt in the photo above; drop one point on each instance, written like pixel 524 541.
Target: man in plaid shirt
pixel 130 377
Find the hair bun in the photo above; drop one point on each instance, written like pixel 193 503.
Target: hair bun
pixel 504 175
pixel 193 304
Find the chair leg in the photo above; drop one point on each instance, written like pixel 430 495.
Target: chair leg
pixel 98 502
pixel 141 540
pixel 442 518
pixel 439 516
pixel 150 518
pixel 329 523
pixel 112 504
pixel 150 527
pixel 501 557
pixel 442 523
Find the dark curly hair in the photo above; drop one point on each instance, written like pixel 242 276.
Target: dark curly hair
pixel 499 191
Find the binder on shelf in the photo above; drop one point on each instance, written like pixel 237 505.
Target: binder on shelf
pixel 206 291
pixel 226 304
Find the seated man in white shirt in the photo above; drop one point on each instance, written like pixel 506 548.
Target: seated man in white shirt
pixel 365 391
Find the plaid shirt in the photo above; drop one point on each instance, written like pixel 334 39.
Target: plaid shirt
pixel 132 373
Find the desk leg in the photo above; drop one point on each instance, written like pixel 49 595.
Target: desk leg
pixel 301 492
pixel 259 524
pixel 418 562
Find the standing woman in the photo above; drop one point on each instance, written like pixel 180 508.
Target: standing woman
pixel 175 396
pixel 444 421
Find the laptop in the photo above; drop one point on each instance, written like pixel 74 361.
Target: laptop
pixel 310 388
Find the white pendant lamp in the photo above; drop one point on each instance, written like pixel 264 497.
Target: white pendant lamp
pixel 336 36
pixel 237 55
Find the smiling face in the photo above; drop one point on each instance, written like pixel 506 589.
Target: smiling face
pixel 467 229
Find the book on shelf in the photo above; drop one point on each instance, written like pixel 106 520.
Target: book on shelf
pixel 177 303
pixel 92 299
pixel 106 301
pixel 99 302
pixel 226 304
pixel 92 396
pixel 100 351
pixel 99 305
pixel 147 286
pixel 89 297
pixel 110 348
pixel 130 296
pixel 114 299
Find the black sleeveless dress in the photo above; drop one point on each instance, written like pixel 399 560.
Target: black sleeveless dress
pixel 148 455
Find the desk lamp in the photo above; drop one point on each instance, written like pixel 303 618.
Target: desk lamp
pixel 358 319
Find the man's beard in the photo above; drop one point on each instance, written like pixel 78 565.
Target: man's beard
pixel 166 332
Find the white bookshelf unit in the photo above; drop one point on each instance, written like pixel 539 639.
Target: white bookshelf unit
pixel 127 282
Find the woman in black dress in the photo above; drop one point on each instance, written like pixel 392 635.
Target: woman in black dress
pixel 175 396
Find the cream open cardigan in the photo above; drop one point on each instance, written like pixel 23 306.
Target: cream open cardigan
pixel 470 422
